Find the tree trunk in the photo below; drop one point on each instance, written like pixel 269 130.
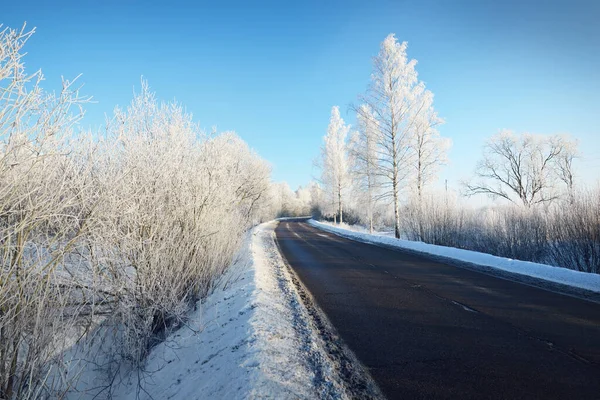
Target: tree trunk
pixel 370 196
pixel 396 217
pixel 340 204
pixel 420 200
pixel 370 214
pixel 395 184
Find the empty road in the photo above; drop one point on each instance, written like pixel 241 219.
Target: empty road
pixel 426 329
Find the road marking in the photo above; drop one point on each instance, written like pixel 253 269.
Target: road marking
pixel 463 306
pixel 325 236
pixel 484 290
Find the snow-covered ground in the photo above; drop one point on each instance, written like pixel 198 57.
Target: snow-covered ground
pixel 563 276
pixel 251 338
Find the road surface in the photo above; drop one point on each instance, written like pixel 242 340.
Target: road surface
pixel 425 329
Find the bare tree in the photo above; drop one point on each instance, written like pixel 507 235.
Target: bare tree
pixel 522 168
pixel 334 161
pixel 393 99
pixel 564 162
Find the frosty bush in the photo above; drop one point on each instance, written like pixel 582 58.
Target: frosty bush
pixel 176 205
pixel 567 234
pixel 42 222
pixel 125 229
pixel 574 239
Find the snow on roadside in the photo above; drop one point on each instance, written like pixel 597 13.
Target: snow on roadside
pixel 251 338
pixel 563 276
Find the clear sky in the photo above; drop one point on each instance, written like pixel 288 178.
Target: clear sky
pixel 271 71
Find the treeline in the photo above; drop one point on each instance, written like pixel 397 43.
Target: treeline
pixel 120 231
pixel 381 175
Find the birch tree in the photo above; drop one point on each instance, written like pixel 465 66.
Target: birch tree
pixel 430 149
pixel 364 158
pixel 334 161
pixel 393 99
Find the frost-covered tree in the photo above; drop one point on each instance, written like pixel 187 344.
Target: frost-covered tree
pixel 317 199
pixel 178 202
pixel 564 162
pixel 288 203
pixel 394 98
pixel 524 168
pixel 430 149
pixel 124 229
pixel 304 199
pixel 334 161
pixel 283 200
pixel 364 155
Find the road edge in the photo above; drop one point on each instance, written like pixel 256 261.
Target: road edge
pixel 355 376
pixel 555 287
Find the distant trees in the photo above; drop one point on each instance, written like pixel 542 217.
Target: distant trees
pixel 288 203
pixel 334 163
pixel 317 199
pixel 304 200
pixel 525 168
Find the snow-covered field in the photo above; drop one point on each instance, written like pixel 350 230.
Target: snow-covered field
pixel 251 338
pixel 563 276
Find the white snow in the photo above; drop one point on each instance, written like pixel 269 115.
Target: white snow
pixel 564 276
pixel 251 338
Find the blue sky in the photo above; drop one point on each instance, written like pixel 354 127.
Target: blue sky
pixel 271 71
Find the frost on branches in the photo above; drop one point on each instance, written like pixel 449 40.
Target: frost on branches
pixel 334 163
pixel 525 169
pixel 364 155
pixel 107 240
pixel 408 149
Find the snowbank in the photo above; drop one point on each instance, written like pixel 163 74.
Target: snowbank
pixel 251 338
pixel 563 276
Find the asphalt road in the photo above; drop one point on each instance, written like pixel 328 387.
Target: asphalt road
pixel 425 329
